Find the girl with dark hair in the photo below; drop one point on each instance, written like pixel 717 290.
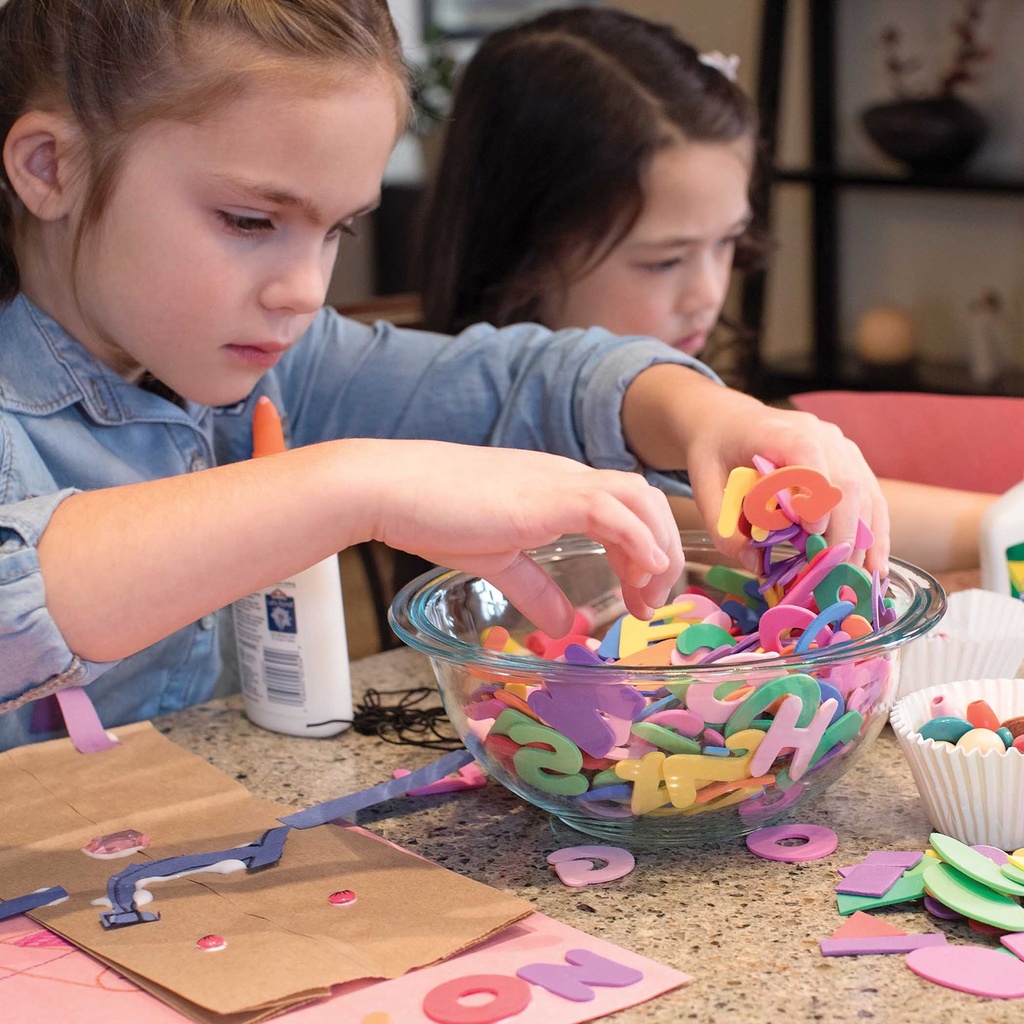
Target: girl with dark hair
pixel 596 170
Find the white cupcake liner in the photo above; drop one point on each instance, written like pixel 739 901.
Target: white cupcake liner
pixel 981 636
pixel 975 797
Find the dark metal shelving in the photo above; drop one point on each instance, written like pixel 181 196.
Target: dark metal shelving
pixel 827 367
pixel 868 179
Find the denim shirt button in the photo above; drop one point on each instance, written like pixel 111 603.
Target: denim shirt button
pixel 207 621
pixel 199 462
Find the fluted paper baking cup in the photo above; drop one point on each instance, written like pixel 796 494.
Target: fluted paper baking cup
pixel 981 636
pixel 972 796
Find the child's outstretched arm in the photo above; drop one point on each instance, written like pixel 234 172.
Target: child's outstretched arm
pixel 124 567
pixel 674 418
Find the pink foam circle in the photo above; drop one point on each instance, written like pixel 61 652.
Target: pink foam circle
pixel 575 866
pixel 973 969
pixel 818 842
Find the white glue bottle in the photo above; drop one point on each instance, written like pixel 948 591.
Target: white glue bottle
pixel 1001 543
pixel 292 648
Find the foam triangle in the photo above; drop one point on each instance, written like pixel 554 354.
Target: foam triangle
pixel 864 926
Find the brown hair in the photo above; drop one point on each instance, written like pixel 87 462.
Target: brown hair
pixel 116 65
pixel 555 122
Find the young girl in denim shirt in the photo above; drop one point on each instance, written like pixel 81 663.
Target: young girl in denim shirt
pixel 176 174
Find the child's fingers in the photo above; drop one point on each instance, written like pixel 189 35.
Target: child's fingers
pixel 535 594
pixel 877 556
pixel 653 508
pixel 643 537
pixel 635 591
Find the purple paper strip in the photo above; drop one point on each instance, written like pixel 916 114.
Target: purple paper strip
pixel 83 724
pixel 320 814
pixel 880 944
pixel 32 901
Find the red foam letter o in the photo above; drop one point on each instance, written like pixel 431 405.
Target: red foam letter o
pixel 511 996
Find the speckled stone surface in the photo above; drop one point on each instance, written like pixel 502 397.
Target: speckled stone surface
pixel 746 929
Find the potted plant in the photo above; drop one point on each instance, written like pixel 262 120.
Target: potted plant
pixel 935 133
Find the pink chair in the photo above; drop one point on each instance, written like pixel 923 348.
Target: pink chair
pixel 970 442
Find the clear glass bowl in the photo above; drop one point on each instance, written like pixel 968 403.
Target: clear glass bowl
pixel 665 802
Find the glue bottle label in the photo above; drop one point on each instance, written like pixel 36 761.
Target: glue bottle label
pixel 1015 565
pixel 270 654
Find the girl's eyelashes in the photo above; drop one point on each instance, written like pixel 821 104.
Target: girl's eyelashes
pixel 244 224
pixel 250 224
pixel 662 265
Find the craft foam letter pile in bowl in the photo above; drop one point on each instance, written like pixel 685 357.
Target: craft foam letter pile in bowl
pixel 672 754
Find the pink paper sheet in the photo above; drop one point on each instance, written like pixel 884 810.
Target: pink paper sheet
pixel 44 978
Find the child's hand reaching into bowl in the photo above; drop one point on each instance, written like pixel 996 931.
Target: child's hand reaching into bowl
pixel 675 418
pixel 479 510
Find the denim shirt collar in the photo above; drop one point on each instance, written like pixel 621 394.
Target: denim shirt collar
pixel 45 370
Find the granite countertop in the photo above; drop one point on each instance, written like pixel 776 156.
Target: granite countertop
pixel 746 929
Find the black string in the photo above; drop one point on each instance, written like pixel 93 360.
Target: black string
pixel 405 722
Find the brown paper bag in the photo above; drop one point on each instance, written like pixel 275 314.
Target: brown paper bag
pixel 285 943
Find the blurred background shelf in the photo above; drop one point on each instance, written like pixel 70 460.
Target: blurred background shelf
pixel 867 234
pixel 874 180
pixel 777 382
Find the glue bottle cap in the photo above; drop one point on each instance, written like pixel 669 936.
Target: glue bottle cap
pixel 267 435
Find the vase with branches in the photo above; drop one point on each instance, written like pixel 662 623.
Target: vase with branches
pixel 934 131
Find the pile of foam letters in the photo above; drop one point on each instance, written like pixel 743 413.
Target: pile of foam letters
pixel 689 746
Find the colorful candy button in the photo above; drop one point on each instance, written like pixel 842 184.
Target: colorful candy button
pixel 944 729
pixel 944 706
pixel 981 716
pixel 982 740
pixel 1015 725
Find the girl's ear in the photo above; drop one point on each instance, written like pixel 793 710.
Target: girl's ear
pixel 40 160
